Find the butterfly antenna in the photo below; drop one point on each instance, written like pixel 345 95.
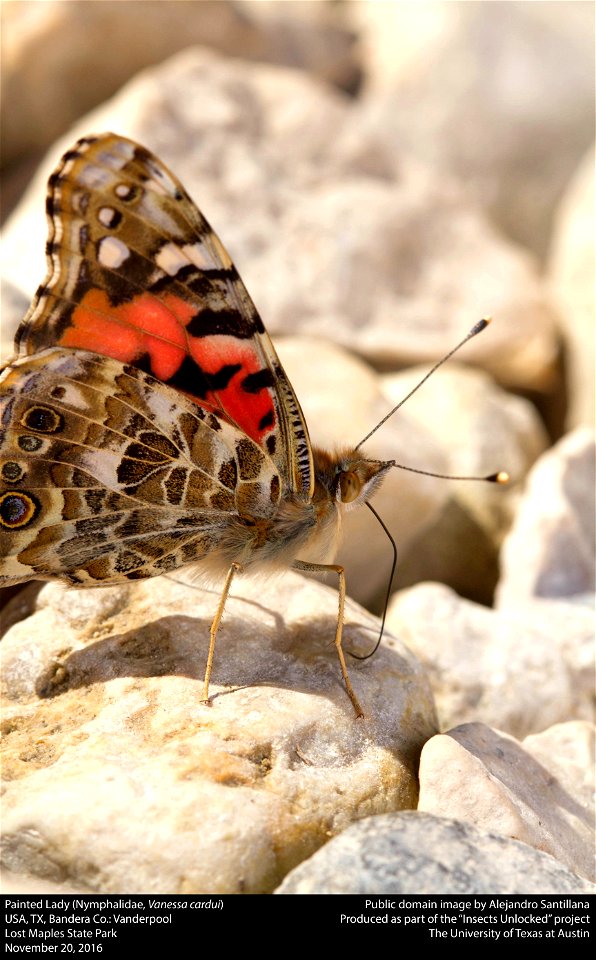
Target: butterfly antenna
pixel 476 329
pixel 357 656
pixel 501 477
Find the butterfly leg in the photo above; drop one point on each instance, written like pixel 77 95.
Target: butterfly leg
pixel 324 568
pixel 235 568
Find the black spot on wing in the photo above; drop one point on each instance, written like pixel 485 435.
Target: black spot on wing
pixel 51 203
pixel 192 379
pixel 73 154
pixel 221 379
pixel 143 363
pixel 29 443
pixel 83 280
pixel 228 474
pixel 210 323
pixel 213 422
pixel 254 382
pixel 83 203
pixel 127 192
pixel 267 421
pixel 201 282
pixel 43 419
pixel 142 155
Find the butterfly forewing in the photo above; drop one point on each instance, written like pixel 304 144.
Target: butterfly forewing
pixel 137 274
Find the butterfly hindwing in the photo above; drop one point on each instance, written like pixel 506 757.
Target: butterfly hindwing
pixel 137 274
pixel 111 475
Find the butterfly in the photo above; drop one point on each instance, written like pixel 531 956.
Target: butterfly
pixel 147 422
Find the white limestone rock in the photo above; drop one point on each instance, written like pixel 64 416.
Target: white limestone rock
pixel 539 791
pixel 520 670
pixel 550 551
pixel 417 853
pixel 117 777
pixel 480 430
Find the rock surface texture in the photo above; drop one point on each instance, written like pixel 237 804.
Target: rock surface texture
pixel 421 854
pixel 119 779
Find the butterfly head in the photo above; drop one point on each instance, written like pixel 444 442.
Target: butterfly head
pixel 348 477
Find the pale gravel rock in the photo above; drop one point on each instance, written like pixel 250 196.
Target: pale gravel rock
pixel 333 234
pixel 550 550
pixel 537 791
pixel 480 429
pixel 399 270
pixel 520 670
pixel 54 69
pixel 499 95
pixel 571 277
pixel 22 884
pixel 118 779
pixel 417 853
pixel 567 751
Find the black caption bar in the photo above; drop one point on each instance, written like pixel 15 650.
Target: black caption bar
pixel 111 926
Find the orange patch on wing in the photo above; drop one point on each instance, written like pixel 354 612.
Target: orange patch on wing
pixel 155 327
pixel 245 409
pixel 145 325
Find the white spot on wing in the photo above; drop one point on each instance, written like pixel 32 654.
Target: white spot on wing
pixel 112 252
pixel 171 257
pixel 106 215
pixel 74 396
pixel 102 465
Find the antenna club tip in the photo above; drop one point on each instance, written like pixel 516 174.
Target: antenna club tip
pixel 480 326
pixel 501 477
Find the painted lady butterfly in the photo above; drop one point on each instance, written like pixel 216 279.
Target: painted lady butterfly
pixel 147 422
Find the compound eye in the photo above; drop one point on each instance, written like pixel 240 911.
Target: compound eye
pixel 350 486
